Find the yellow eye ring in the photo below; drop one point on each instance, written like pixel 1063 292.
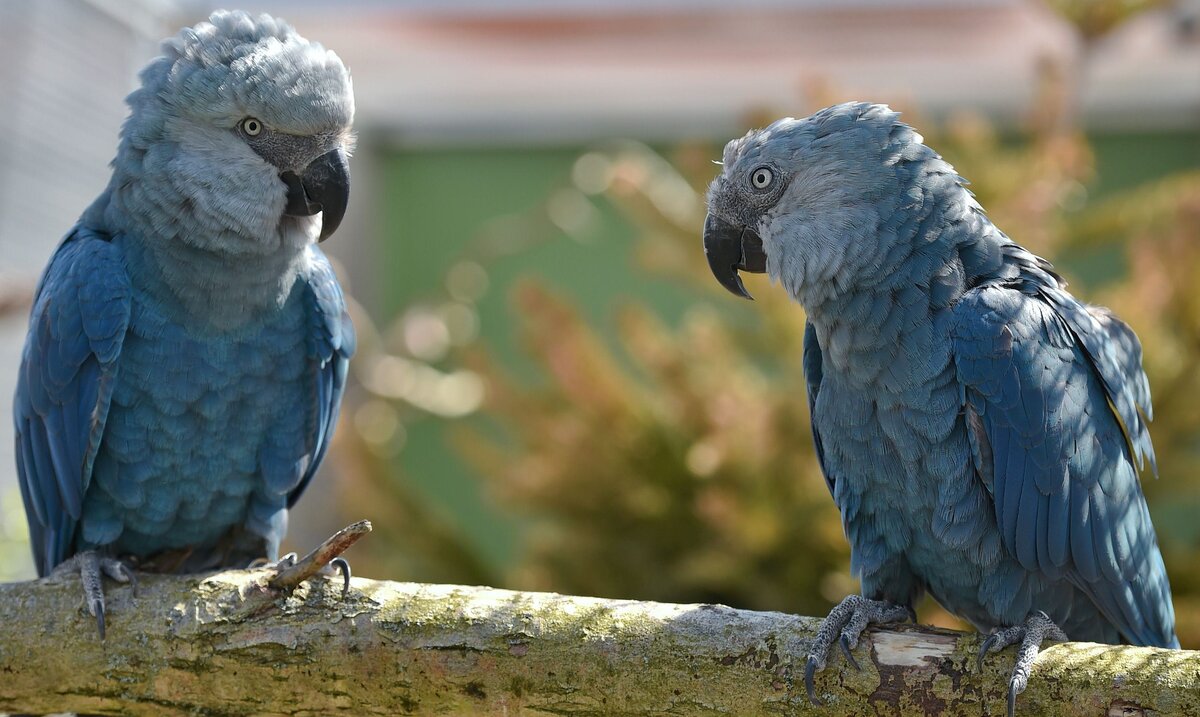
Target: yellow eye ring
pixel 252 127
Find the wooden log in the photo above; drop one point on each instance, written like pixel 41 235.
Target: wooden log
pixel 224 644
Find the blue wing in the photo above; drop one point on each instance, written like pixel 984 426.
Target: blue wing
pixel 331 343
pixel 813 373
pixel 1057 403
pixel 80 314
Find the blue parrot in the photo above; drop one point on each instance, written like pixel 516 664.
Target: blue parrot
pixel 188 344
pixel 980 430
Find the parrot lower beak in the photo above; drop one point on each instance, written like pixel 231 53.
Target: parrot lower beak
pixel 731 248
pixel 324 188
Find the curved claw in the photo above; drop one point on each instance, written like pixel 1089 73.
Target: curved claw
pixel 98 611
pixel 120 572
pixel 92 567
pixel 344 567
pixel 845 643
pixel 984 649
pixel 1012 697
pixel 810 670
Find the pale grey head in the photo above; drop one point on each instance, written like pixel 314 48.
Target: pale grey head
pixel 804 200
pixel 236 143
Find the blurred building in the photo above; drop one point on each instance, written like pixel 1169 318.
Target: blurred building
pixel 539 71
pixel 1146 73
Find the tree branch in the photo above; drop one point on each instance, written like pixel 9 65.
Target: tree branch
pixel 191 644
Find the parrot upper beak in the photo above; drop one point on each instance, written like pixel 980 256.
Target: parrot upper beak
pixel 730 248
pixel 325 188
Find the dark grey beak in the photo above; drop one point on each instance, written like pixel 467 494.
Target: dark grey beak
pixel 731 248
pixel 324 187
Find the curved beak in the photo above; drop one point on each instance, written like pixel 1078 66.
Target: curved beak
pixel 730 248
pixel 323 186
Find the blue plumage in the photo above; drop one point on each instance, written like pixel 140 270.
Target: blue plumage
pixel 980 429
pixel 188 345
pixel 1067 502
pixel 68 371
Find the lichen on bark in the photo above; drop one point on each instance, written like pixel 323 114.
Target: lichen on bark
pixel 226 644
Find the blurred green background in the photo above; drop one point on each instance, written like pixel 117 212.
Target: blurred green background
pixel 552 393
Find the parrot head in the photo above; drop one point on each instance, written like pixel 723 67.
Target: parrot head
pixel 237 140
pixel 804 200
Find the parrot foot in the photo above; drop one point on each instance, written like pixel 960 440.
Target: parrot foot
pixel 845 623
pixel 286 561
pixel 92 567
pixel 336 567
pixel 1030 635
pixel 325 560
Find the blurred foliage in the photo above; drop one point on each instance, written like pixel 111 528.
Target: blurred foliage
pixel 1094 18
pixel 673 460
pixel 14 537
pixel 677 467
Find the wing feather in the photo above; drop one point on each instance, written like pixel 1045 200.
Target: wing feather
pixel 80 315
pixel 1062 402
pixel 813 368
pixel 331 344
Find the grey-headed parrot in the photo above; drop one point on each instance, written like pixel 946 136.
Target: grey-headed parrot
pixel 981 430
pixel 189 343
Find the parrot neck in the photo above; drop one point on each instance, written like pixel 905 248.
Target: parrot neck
pixel 210 276
pixel 207 290
pixel 867 335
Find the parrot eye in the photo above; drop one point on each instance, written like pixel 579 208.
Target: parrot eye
pixel 252 127
pixel 762 178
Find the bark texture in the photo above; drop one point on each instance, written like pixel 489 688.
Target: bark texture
pixel 228 644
